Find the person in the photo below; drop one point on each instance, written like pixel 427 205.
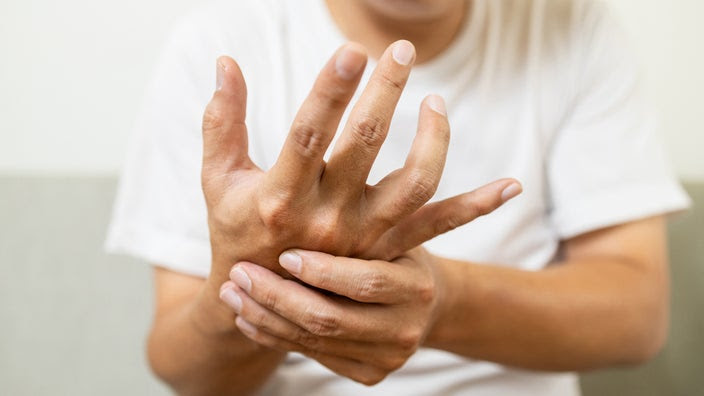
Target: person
pixel 282 267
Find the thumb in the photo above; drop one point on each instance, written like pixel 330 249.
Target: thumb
pixel 224 129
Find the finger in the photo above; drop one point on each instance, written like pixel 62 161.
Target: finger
pixel 301 160
pixel 403 192
pixel 369 121
pixel 360 280
pixel 298 339
pixel 319 314
pixel 440 217
pixel 224 130
pixel 356 370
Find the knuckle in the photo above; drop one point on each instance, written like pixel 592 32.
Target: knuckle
pixel 213 118
pixel 442 133
pixel 369 131
pixel 269 299
pixel 322 323
pixel 308 140
pixel 453 221
pixel 393 363
pixel 220 217
pixel 306 339
pixel 479 208
pixel 334 96
pixel 448 222
pixel 371 286
pixel 275 211
pixel 426 291
pixel 409 339
pixel 371 378
pixel 421 187
pixel 258 318
pixel 326 227
pixel 259 338
pixel 390 82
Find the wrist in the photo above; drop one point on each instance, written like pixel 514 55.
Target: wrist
pixel 209 314
pixel 450 283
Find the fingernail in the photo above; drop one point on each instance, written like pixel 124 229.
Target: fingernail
pixel 511 191
pixel 245 326
pixel 229 297
pixel 436 103
pixel 350 61
pixel 291 262
pixel 219 75
pixel 403 52
pixel 241 279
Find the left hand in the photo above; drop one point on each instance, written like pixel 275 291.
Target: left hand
pixel 377 314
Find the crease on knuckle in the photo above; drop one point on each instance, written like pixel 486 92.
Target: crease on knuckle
pixel 306 339
pixel 270 299
pixel 256 317
pixel 213 118
pixel 390 82
pixel 333 96
pixel 369 131
pixel 453 221
pixel 420 187
pixel 371 286
pixel 308 140
pixel 479 208
pixel 448 222
pixel 321 322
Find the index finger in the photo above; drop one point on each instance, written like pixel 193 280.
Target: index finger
pixel 365 281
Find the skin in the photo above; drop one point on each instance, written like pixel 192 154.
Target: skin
pixel 431 25
pixel 302 201
pixel 615 279
pixel 226 334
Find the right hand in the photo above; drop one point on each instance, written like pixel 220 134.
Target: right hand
pixel 304 202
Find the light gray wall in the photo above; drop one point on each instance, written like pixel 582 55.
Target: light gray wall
pixel 73 320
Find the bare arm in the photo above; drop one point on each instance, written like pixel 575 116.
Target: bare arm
pixel 605 304
pixel 194 345
pixel 254 214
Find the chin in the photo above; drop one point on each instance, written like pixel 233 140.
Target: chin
pixel 412 9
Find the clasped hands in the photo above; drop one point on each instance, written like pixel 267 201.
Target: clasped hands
pixel 308 256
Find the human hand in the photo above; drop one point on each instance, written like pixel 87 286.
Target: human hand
pixel 373 319
pixel 302 201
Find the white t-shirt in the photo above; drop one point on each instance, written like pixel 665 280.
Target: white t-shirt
pixel 539 90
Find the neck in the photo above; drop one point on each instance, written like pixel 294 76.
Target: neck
pixel 431 36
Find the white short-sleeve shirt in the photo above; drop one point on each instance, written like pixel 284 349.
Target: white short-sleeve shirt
pixel 543 91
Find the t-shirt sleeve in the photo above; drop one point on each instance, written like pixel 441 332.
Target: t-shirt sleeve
pixel 606 165
pixel 159 214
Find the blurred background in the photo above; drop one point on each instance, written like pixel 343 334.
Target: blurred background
pixel 72 74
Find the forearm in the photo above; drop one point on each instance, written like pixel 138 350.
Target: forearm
pixel 195 347
pixel 580 314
